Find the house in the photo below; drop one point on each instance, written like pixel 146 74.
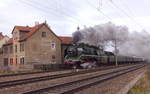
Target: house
pixel 32 45
pixel 3 40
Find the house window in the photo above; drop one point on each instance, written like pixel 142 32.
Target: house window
pixel 11 49
pixel 16 48
pixel 53 45
pixel 11 61
pixel 5 61
pixel 16 60
pixel 14 35
pixel 43 34
pixel 22 61
pixel 5 50
pixel 21 47
pixel 53 57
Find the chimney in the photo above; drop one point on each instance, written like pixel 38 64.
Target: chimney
pixel 45 22
pixel 36 23
pixel 78 28
pixel 1 35
pixel 84 26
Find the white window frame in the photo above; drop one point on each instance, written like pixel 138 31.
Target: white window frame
pixel 53 45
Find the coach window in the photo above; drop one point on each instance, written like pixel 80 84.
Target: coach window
pixel 43 34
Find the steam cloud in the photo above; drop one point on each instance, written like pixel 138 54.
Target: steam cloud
pixel 128 43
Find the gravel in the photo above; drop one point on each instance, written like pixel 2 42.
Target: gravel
pixel 33 86
pixel 2 79
pixel 112 86
pixel 18 77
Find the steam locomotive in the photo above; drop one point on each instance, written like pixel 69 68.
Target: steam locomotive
pixel 87 56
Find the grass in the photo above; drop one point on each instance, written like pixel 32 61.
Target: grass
pixel 142 86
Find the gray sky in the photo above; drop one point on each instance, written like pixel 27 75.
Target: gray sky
pixel 63 16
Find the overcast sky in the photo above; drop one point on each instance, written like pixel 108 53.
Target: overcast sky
pixel 63 16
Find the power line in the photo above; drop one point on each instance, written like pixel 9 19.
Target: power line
pixel 98 10
pixel 127 7
pixel 63 13
pixel 131 18
pixel 61 10
pixel 59 5
pixel 100 3
pixel 118 14
pixel 46 11
pixel 68 9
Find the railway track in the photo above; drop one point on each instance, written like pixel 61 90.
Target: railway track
pixel 26 73
pixel 49 77
pixel 73 86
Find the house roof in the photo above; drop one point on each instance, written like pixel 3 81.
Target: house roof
pixel 31 30
pixel 66 40
pixel 1 35
pixel 10 41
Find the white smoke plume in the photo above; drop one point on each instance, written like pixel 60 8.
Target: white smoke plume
pixel 128 43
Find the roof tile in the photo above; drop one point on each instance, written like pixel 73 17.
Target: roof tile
pixel 10 41
pixel 32 30
pixel 66 40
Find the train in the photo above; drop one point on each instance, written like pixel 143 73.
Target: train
pixel 89 56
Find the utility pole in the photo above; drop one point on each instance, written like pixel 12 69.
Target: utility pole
pixel 116 51
pixel 100 4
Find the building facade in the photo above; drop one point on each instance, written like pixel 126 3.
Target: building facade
pixel 3 40
pixel 32 45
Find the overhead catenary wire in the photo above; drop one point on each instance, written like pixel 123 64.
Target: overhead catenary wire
pixel 125 13
pixel 118 14
pixel 54 11
pixel 63 12
pixel 48 10
pixel 100 11
pixel 129 10
pixel 66 11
